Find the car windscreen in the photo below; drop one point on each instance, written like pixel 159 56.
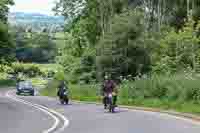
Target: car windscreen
pixel 25 85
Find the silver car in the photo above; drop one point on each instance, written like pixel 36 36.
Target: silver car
pixel 25 87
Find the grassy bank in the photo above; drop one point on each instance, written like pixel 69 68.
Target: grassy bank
pixel 7 83
pixel 77 92
pixel 177 92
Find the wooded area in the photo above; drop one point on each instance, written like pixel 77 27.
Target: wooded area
pixel 152 46
pixel 130 37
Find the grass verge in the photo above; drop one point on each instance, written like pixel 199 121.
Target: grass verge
pixel 90 93
pixel 7 83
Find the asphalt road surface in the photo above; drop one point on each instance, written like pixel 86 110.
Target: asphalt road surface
pixel 18 116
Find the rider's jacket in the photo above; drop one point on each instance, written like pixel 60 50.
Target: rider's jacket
pixel 108 86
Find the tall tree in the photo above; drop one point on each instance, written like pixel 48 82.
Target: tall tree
pixel 69 8
pixel 7 47
pixel 6 43
pixel 4 9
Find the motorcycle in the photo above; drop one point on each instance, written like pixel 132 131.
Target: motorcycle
pixel 111 104
pixel 64 99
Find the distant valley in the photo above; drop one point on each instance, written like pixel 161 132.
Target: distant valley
pixel 36 21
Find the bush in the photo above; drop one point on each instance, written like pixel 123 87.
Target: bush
pixel 88 77
pixel 30 70
pixel 3 76
pixel 175 87
pixel 178 92
pixel 5 69
pixel 60 75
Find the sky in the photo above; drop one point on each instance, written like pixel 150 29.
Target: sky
pixel 33 6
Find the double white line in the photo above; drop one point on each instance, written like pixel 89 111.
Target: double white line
pixel 53 114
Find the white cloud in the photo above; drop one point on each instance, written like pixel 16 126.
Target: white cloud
pixel 36 6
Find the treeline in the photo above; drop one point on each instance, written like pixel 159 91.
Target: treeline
pixel 6 44
pixel 129 37
pixel 38 47
pixel 153 46
pixel 35 21
pixel 24 44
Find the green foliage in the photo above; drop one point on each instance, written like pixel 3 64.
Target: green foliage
pixel 3 76
pixel 5 69
pixel 59 76
pixel 70 9
pixel 182 87
pixel 50 89
pixel 122 48
pixel 7 83
pixel 155 37
pixel 35 47
pixel 175 92
pixel 180 51
pixel 4 9
pixel 84 92
pixel 6 45
pixel 31 70
pixel 130 38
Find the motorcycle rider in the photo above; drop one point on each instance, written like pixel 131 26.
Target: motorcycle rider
pixel 109 86
pixel 62 88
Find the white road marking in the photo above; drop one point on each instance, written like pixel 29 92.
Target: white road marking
pixel 157 114
pixel 53 114
pixel 165 115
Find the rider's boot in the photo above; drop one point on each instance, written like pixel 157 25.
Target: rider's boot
pixel 105 102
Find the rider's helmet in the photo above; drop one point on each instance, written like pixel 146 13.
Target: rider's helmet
pixel 107 76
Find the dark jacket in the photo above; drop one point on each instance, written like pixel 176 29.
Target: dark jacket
pixel 109 86
pixel 61 89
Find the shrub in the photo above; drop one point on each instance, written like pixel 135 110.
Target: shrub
pixel 3 76
pixel 88 77
pixel 174 87
pixel 5 69
pixel 60 75
pixel 30 70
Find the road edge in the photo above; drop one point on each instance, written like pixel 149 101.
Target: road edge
pixel 156 110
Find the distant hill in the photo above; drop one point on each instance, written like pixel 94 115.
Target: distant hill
pixel 35 20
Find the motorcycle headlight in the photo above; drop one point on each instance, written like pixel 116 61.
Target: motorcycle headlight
pixel 110 95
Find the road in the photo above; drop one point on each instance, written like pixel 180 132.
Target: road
pixel 15 117
pixel 19 117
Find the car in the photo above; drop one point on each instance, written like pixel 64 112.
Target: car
pixel 25 87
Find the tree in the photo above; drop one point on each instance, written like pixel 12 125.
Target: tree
pixel 69 8
pixel 180 51
pixel 4 9
pixel 6 44
pixel 35 47
pixel 7 47
pixel 128 36
pixel 122 50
